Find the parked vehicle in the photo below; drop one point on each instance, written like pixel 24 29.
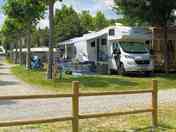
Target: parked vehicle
pixel 132 57
pixel 36 63
pixel 116 48
pixel 2 50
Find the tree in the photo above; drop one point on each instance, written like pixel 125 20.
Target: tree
pixel 67 24
pixel 28 12
pixel 11 31
pixel 154 12
pixel 87 21
pixel 100 21
pixel 51 37
pixel 40 37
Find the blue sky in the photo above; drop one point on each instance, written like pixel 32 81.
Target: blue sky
pixel 92 5
pixel 1 15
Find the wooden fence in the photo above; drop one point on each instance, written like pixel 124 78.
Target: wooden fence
pixel 76 116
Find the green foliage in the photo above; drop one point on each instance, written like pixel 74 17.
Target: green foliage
pixel 67 24
pixel 26 11
pixel 100 21
pixel 154 12
pixel 40 37
pixel 10 31
pixel 87 21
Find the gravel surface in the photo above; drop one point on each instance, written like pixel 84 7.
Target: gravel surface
pixel 43 108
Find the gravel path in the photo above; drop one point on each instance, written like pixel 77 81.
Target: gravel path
pixel 31 109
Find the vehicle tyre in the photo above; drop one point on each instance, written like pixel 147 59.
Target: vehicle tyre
pixel 121 70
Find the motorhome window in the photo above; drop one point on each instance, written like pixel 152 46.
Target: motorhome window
pixel 134 47
pixel 1 50
pixel 93 44
pixel 115 46
pixel 104 42
pixel 111 32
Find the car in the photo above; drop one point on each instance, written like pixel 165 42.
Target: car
pixel 2 51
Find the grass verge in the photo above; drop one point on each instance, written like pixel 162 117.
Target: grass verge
pixel 93 82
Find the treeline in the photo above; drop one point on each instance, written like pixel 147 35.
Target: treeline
pixel 69 23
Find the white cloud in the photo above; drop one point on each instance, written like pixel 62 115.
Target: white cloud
pixel 109 3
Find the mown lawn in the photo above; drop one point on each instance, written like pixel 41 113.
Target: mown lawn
pixel 132 123
pixel 94 82
pixel 129 123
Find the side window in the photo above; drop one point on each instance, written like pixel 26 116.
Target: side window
pixel 111 32
pixel 104 42
pixel 116 49
pixel 93 44
pixel 115 46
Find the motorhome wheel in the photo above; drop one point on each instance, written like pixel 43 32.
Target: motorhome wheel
pixel 121 70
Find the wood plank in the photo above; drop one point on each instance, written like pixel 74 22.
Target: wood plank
pixel 36 121
pixel 44 96
pixel 86 116
pixel 115 93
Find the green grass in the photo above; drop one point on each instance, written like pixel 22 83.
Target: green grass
pixel 8 60
pixel 137 123
pixel 129 123
pixel 94 82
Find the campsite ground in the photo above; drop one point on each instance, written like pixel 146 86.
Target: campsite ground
pixel 30 109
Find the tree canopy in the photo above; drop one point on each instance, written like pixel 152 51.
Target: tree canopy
pixel 153 12
pixel 67 24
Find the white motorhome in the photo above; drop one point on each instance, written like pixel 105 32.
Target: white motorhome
pixel 122 49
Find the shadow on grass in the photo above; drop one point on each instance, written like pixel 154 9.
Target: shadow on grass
pixel 98 81
pixel 170 76
pixel 161 127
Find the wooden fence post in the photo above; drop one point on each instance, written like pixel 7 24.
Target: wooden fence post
pixel 155 103
pixel 75 106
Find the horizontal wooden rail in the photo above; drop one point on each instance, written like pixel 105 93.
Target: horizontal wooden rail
pixel 86 116
pixel 115 93
pixel 44 96
pixel 27 122
pixel 75 106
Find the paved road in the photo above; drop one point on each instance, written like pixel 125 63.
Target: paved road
pixel 31 109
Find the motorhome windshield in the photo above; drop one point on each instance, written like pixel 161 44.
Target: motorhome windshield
pixel 133 47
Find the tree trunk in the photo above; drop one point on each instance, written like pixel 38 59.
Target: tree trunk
pixel 28 54
pixel 16 52
pixel 11 52
pixel 51 41
pixel 166 49
pixel 20 51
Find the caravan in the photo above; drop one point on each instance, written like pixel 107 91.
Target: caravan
pixel 116 48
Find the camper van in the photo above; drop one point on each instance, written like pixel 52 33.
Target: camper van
pixel 131 56
pixel 116 48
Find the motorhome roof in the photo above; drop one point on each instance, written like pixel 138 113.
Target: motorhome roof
pixel 40 49
pixel 121 31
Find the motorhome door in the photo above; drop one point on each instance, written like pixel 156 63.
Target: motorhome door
pixel 116 54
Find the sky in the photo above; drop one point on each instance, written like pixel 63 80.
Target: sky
pixel 92 5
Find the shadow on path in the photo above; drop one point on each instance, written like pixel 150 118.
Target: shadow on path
pixel 6 83
pixel 7 102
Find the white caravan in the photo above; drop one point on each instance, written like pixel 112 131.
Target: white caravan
pixel 122 49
